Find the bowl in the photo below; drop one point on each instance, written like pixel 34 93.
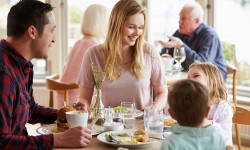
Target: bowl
pixel 113 126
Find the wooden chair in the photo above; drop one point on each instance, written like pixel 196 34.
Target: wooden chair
pixel 230 56
pixel 241 116
pixel 232 70
pixel 53 84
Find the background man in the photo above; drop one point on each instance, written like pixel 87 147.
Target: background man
pixel 199 40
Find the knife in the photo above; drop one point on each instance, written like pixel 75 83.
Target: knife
pixel 94 120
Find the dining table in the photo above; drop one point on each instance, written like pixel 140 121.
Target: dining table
pixel 171 79
pixel 95 144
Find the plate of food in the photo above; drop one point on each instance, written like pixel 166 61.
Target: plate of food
pixel 52 128
pixel 138 113
pixel 127 138
pixel 61 124
pixel 168 122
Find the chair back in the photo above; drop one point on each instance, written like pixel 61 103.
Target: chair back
pixel 53 84
pixel 230 57
pixel 241 116
pixel 232 70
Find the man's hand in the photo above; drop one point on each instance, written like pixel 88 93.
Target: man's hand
pixel 174 42
pixel 74 137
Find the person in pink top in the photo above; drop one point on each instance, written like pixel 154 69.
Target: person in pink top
pixel 133 68
pixel 221 111
pixel 93 28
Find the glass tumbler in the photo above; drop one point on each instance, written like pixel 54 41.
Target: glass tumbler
pixel 128 114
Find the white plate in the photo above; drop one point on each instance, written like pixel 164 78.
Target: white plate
pixel 51 128
pixel 101 137
pixel 138 113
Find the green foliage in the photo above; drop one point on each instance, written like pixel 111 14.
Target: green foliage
pixel 228 53
pixel 75 14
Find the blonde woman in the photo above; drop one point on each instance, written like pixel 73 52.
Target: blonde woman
pixel 132 67
pixel 94 29
pixel 221 111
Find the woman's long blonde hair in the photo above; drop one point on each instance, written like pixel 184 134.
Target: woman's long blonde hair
pixel 215 81
pixel 113 43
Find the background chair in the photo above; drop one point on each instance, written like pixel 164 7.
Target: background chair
pixel 53 84
pixel 241 116
pixel 231 70
pixel 230 56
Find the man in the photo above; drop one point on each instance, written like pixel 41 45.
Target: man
pixel 199 40
pixel 30 32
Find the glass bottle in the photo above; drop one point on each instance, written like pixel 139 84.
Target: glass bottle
pixel 98 107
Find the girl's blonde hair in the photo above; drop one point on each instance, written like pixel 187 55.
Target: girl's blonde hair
pixel 113 43
pixel 215 80
pixel 95 21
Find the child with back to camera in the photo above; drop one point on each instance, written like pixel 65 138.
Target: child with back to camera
pixel 189 104
pixel 221 111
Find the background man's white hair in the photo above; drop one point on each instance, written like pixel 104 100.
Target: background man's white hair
pixel 197 11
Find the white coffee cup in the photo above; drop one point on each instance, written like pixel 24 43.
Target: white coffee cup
pixel 77 118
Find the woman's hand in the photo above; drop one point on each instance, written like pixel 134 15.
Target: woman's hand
pixel 82 106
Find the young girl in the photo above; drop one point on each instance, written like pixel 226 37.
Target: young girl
pixel 221 111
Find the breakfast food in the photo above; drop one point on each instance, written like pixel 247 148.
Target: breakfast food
pixel 169 121
pixel 140 132
pixel 141 135
pixel 136 137
pixel 62 124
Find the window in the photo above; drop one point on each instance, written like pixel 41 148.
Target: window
pixel 40 69
pixel 75 12
pixel 233 27
pixel 164 17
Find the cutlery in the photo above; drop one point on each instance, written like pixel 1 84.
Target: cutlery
pixel 94 120
pixel 113 139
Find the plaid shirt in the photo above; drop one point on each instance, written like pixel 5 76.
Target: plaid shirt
pixel 17 104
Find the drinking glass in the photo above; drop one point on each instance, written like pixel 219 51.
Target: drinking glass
pixel 108 115
pixel 128 114
pixel 153 121
pixel 179 56
pixel 168 65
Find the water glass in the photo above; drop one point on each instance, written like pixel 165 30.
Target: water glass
pixel 168 65
pixel 108 115
pixel 153 120
pixel 128 114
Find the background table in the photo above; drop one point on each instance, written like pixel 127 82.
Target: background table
pixel 171 79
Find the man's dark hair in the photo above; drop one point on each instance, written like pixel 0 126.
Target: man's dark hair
pixel 27 13
pixel 188 101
